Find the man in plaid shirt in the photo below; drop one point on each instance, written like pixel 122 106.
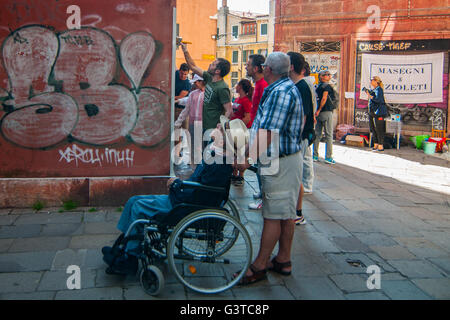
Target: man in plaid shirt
pixel 278 124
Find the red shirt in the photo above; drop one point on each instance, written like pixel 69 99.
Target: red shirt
pixel 260 85
pixel 242 106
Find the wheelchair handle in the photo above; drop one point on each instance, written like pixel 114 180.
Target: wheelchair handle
pixel 196 185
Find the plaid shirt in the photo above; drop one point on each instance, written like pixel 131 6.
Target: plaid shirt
pixel 281 111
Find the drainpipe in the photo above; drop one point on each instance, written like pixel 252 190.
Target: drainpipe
pixel 409 9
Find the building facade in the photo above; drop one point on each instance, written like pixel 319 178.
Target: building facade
pixel 197 23
pixel 239 35
pixel 356 40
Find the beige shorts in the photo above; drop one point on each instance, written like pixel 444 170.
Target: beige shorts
pixel 280 191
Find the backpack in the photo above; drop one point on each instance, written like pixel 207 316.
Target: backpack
pixel 334 102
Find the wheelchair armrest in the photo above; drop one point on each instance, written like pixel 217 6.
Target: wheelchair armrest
pixel 253 169
pixel 199 186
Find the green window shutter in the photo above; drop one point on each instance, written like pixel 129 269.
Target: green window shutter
pixel 235 56
pixel 264 29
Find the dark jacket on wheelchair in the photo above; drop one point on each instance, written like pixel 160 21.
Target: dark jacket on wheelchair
pixel 213 175
pixel 208 186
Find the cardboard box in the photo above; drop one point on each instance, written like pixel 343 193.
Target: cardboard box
pixel 355 141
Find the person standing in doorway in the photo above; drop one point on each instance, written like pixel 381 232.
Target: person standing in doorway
pixel 377 113
pixel 324 116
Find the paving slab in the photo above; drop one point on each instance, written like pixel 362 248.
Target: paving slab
pixel 39 295
pixel 39 244
pixel 62 229
pixel 26 261
pixel 170 292
pixel 350 244
pixel 393 252
pixel 436 288
pixel 68 257
pixel 314 288
pixel 93 241
pixel 262 293
pixel 375 238
pixel 112 293
pixel 416 269
pixel 57 280
pixel 403 290
pixel 5 244
pixel 442 263
pixel 19 281
pixel 331 228
pixel 21 231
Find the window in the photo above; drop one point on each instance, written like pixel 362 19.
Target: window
pixel 246 54
pixel 248 28
pixel 264 29
pixel 235 56
pixel 234 78
pixel 235 31
pixel 262 52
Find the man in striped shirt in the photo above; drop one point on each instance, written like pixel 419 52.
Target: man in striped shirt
pixel 278 124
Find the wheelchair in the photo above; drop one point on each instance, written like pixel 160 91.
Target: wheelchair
pixel 204 245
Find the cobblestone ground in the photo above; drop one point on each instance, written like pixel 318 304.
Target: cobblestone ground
pixel 389 210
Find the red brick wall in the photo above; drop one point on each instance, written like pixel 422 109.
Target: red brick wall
pixel 89 102
pixel 345 21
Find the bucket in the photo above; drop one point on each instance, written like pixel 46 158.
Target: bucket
pixel 439 143
pixel 429 147
pixel 417 140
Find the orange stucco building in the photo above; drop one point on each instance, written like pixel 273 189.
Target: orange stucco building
pixel 197 23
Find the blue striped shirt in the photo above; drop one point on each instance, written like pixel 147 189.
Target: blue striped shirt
pixel 281 111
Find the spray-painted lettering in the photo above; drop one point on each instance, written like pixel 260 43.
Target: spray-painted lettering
pixel 97 157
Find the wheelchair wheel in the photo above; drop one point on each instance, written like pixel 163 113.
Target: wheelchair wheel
pixel 230 234
pixel 152 280
pixel 232 208
pixel 206 232
pixel 234 232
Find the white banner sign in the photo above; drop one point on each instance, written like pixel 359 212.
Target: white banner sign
pixel 406 78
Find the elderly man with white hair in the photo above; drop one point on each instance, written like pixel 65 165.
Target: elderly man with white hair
pixel 277 135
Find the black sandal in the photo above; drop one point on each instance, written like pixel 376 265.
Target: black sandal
pixel 278 267
pixel 257 275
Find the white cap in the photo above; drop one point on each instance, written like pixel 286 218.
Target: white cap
pixel 195 78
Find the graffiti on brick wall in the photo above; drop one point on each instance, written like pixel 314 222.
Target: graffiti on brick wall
pixel 64 87
pixel 97 157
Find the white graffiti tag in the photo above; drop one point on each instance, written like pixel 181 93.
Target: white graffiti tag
pixel 97 156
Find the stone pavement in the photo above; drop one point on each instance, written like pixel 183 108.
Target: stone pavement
pixel 391 210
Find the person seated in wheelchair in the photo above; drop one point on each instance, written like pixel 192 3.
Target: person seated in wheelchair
pixel 214 171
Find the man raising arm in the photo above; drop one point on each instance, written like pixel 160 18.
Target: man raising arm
pixel 217 99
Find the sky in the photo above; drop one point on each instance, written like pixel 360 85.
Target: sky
pixel 254 6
